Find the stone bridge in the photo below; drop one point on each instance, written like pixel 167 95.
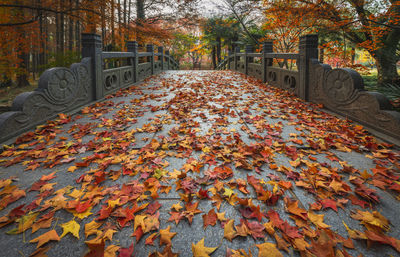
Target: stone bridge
pixel 139 161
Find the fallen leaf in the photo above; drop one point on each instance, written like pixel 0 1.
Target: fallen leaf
pixel 46 237
pixel 199 250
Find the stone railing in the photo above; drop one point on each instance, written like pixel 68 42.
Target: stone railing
pixel 97 75
pixel 339 90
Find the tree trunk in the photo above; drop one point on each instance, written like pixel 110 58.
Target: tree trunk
pixel 103 22
pixel 129 19
pixel 70 29
pixel 125 13
pixel 213 55
pixel 77 31
pixel 385 60
pixel 353 55
pixel 218 50
pixel 140 17
pixel 23 55
pixel 119 19
pixel 62 30
pixel 112 23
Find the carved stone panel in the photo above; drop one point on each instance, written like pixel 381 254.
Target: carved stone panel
pixel 255 70
pixel 240 67
pixel 283 78
pixel 59 90
pixel 157 67
pixel 144 70
pixel 341 90
pixel 117 78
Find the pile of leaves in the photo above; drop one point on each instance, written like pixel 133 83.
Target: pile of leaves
pixel 109 170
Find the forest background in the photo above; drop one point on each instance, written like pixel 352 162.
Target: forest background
pixel 39 34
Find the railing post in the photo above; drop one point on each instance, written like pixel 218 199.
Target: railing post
pixel 308 49
pixel 92 47
pixel 150 49
pixel 248 49
pixel 237 50
pixel 132 47
pixel 161 57
pixel 167 53
pixel 267 48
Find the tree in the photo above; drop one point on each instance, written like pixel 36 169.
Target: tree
pixel 245 12
pixel 218 31
pixel 284 24
pixel 369 24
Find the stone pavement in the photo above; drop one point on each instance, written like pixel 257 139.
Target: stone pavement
pixel 207 154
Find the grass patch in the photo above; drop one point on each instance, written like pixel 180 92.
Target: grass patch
pixel 8 94
pixel 392 92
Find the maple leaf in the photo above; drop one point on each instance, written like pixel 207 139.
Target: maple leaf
pixel 151 223
pixel 199 250
pixel 324 246
pixel 44 222
pixel 191 210
pixel 95 249
pixel 329 203
pixel 221 216
pixel 40 252
pixel 317 219
pixel 242 229
pixel 46 237
pixel 153 207
pixel 256 229
pixel 229 230
pixel 374 218
pixel 111 251
pixel 209 219
pixel 166 236
pixel 176 206
pixel 139 221
pixel 150 240
pixel 70 227
pixel 268 249
pixel 91 228
pixel 175 216
pixel 24 223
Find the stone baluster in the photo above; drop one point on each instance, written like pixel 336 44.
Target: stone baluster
pixel 92 47
pixel 132 47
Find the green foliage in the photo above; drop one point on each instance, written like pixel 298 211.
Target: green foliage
pixel 391 91
pixel 62 59
pixel 181 44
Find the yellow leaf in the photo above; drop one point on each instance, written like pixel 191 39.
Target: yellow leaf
pixel 113 203
pixel 72 168
pixel 82 215
pixel 229 230
pixel 199 250
pixel 46 237
pixel 221 216
pixel 26 221
pixel 91 228
pixel 336 185
pixel 76 194
pixel 111 251
pixel 268 249
pixel 206 149
pixel 176 206
pixel 317 219
pixel 228 192
pixel 166 236
pixel 139 221
pixel 71 227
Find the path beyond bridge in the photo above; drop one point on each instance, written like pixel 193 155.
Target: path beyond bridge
pixel 198 163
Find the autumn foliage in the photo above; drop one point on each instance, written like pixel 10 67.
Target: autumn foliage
pixel 243 175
